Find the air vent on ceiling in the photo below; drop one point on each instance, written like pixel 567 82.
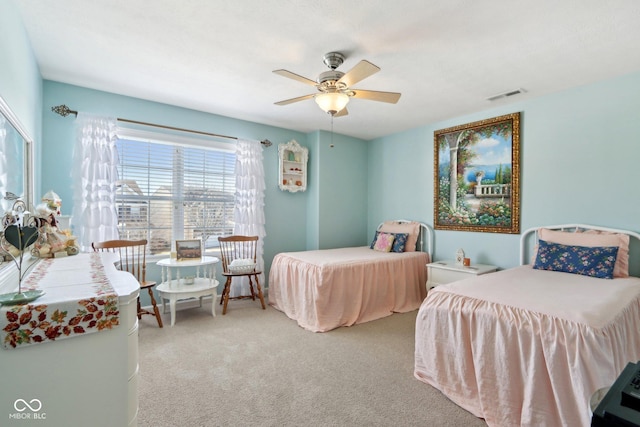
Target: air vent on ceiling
pixel 506 94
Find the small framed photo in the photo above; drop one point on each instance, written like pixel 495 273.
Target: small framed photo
pixel 188 250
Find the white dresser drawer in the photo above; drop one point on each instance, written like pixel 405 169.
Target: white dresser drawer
pixel 440 277
pixel 132 353
pixel 132 407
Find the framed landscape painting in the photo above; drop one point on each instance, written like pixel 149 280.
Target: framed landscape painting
pixel 477 176
pixel 188 250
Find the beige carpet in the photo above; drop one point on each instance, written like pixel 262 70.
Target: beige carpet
pixel 255 367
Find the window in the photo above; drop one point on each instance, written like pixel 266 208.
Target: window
pixel 170 191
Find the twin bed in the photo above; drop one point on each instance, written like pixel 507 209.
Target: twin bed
pixel 326 289
pixel 529 346
pixel 526 346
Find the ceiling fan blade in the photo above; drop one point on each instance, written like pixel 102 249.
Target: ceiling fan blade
pixel 373 95
pixel 341 113
pixel 362 70
pixel 294 76
pixel 292 100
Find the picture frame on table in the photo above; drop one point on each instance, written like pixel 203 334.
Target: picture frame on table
pixel 187 250
pixel 477 176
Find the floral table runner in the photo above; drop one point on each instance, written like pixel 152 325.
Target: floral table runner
pixel 78 299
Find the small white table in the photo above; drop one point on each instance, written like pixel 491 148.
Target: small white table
pixel 441 272
pixel 180 287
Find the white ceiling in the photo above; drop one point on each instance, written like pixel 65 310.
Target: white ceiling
pixel 445 56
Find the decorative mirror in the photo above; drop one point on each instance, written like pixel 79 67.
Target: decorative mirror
pixel 293 166
pixel 15 163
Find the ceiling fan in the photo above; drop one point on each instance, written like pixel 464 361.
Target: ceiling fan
pixel 335 87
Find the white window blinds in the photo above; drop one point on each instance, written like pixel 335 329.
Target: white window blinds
pixel 169 192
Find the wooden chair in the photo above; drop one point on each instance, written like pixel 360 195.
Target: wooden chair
pixel 239 248
pixel 133 259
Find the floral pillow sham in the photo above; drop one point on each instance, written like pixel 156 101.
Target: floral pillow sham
pixel 596 261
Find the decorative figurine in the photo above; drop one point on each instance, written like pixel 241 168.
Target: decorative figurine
pixel 53 242
pixel 19 232
pixel 460 257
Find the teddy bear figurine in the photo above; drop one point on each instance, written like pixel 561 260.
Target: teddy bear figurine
pixel 53 242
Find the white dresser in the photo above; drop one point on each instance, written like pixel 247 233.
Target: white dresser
pixel 80 380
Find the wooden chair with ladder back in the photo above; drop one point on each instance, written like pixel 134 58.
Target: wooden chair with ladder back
pixel 133 259
pixel 239 260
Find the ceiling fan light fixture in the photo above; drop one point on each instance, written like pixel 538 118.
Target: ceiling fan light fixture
pixel 335 87
pixel 332 102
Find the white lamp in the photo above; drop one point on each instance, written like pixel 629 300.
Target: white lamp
pixel 332 102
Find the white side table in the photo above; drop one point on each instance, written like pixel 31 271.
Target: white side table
pixel 441 272
pixel 180 287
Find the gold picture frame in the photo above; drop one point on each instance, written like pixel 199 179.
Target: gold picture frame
pixel 188 250
pixel 477 176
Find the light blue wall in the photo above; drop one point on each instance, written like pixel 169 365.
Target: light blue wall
pixel 313 190
pixel 20 82
pixel 337 202
pixel 286 213
pixel 579 163
pixel 579 155
pixel 342 198
pixel 331 213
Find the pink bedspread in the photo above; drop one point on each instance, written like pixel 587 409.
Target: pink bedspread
pixel 525 347
pixel 325 289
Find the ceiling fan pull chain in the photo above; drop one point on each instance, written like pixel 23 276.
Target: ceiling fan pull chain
pixel 331 145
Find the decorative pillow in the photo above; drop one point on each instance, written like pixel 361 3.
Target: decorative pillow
pixel 384 242
pixel 411 228
pixel 373 242
pixel 622 261
pixel 593 238
pixel 591 261
pixel 400 242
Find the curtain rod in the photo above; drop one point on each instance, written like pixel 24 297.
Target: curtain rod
pixel 64 111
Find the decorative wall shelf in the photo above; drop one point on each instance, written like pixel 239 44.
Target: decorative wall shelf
pixel 293 166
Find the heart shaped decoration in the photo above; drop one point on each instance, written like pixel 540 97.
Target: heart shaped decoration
pixel 21 237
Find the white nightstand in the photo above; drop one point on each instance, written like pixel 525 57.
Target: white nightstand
pixel 441 272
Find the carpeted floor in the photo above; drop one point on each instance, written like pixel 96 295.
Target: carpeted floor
pixel 255 367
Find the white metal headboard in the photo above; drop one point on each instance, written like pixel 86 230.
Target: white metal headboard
pixel 565 227
pixel 424 229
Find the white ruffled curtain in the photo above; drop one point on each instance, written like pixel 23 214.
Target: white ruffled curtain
pixel 249 204
pixel 95 161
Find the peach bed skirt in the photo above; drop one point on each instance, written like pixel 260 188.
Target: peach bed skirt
pixel 326 289
pixel 525 347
